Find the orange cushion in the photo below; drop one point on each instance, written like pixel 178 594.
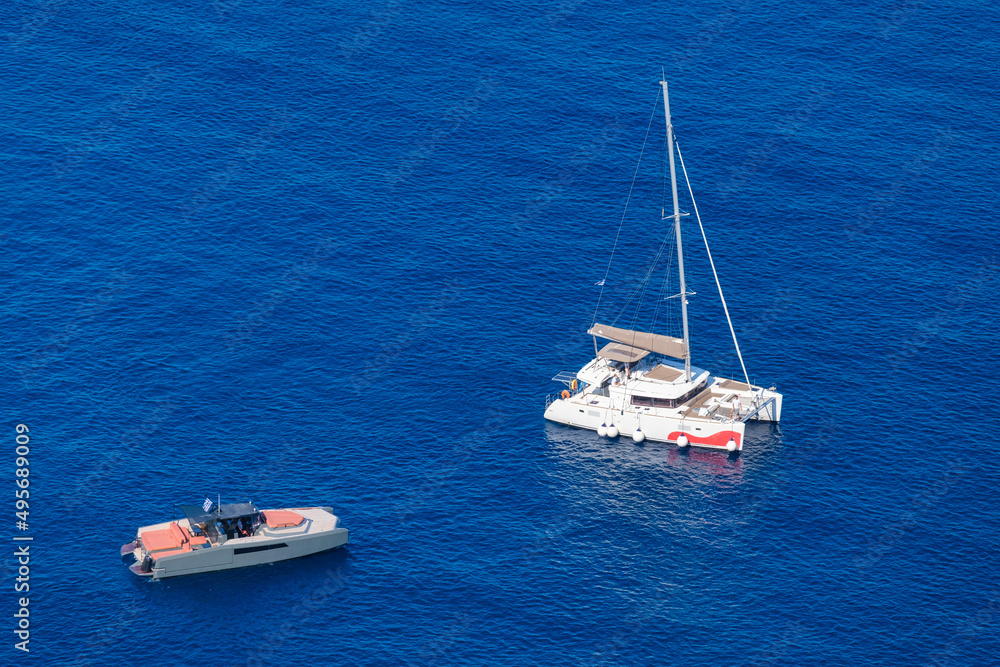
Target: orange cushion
pixel 178 532
pixel 156 540
pixel 160 554
pixel 193 539
pixel 282 518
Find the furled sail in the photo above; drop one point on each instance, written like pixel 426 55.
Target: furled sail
pixel 668 345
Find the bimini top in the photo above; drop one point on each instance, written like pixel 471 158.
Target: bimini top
pixel 668 345
pixel 196 514
pixel 619 352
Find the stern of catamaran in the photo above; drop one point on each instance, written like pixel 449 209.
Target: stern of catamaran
pixel 756 403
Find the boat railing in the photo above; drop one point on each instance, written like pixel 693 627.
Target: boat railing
pixel 550 398
pixel 771 402
pixel 566 377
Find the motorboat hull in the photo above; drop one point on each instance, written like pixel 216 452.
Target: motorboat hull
pixel 319 532
pixel 237 553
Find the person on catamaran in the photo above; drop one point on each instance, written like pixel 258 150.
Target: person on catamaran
pixel 735 411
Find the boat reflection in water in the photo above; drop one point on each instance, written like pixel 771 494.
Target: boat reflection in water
pixel 698 467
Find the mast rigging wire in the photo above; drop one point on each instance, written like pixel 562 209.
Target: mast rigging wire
pixel 607 271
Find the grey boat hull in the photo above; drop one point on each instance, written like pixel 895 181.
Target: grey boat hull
pixel 238 553
pixel 170 550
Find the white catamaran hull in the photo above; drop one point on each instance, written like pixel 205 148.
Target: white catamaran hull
pixel 659 428
pixel 709 419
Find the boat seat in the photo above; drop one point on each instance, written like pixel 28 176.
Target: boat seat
pixel 174 537
pixel 179 533
pixel 158 540
pixel 282 518
pixel 699 400
pixel 194 540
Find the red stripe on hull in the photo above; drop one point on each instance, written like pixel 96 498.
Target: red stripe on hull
pixel 717 440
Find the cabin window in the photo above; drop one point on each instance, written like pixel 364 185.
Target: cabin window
pixel 262 547
pixel 688 396
pixel 650 401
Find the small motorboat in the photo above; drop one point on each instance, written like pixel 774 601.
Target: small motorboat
pixel 223 536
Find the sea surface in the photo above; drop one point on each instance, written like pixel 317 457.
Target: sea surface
pixel 332 253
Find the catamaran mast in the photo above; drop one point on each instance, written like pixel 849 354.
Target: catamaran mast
pixel 677 229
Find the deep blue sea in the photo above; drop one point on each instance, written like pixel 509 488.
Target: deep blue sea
pixel 332 253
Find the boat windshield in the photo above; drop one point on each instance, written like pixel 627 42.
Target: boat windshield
pixel 230 520
pixel 196 515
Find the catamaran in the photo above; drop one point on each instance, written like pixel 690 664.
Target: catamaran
pixel 642 384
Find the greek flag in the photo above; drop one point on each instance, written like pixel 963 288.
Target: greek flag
pixel 207 505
